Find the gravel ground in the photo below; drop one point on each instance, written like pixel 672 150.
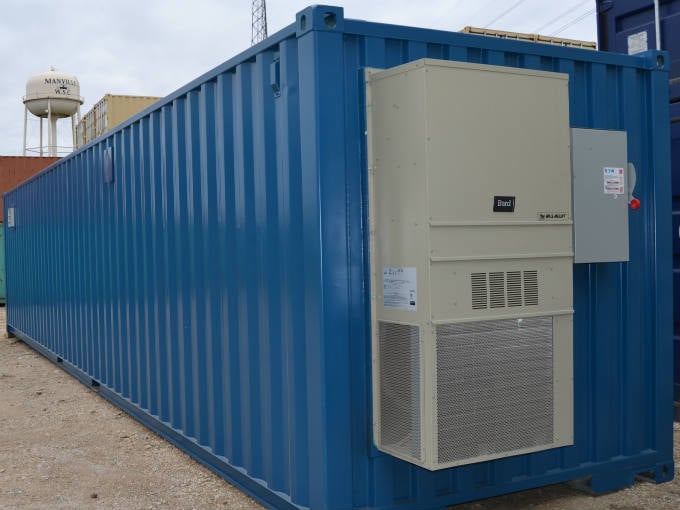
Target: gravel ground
pixel 51 457
pixel 62 446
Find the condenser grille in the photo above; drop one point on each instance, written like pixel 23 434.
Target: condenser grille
pixel 494 387
pixel 400 388
pixel 500 289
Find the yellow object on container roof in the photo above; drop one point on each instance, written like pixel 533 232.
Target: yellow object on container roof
pixel 107 113
pixel 520 36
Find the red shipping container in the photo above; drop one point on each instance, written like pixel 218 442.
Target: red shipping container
pixel 15 169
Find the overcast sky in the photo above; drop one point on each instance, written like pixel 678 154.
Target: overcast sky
pixel 153 47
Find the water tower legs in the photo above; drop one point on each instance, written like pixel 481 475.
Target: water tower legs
pixel 51 131
pixel 75 120
pixel 25 125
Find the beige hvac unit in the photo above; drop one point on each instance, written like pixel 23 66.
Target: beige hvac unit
pixel 471 255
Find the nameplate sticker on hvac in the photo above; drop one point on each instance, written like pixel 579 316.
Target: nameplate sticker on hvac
pixel 400 286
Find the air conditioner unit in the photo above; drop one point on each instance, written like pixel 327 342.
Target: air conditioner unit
pixel 471 254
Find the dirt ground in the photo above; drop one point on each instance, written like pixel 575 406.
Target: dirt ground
pixel 62 446
pixel 52 457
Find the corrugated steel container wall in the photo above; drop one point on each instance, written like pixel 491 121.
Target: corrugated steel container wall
pixel 619 19
pixel 15 169
pixel 616 22
pixel 675 165
pixel 217 288
pixel 3 288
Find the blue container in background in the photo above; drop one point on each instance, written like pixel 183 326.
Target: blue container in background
pixel 675 164
pixel 204 266
pixel 622 27
pixel 676 385
pixel 3 290
pixel 625 26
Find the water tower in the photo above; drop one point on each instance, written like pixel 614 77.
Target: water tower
pixel 52 96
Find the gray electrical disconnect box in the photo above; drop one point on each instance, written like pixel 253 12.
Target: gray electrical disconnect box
pixel 600 190
pixel 472 258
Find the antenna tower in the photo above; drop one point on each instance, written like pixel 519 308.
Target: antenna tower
pixel 258 31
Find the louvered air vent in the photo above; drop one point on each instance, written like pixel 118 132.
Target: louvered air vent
pixel 479 293
pixel 514 279
pixel 530 288
pixel 500 289
pixel 497 288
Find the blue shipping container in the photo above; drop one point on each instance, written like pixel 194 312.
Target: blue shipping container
pixel 204 266
pixel 625 26
pixel 676 385
pixel 622 26
pixel 675 172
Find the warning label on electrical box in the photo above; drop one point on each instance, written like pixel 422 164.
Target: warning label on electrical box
pixel 613 181
pixel 400 287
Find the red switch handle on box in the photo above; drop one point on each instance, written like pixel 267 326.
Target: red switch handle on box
pixel 635 204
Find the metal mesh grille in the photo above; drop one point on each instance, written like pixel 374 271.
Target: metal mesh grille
pixel 494 387
pixel 400 388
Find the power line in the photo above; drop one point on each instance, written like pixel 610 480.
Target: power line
pixel 574 22
pixel 481 9
pixel 559 17
pixel 505 12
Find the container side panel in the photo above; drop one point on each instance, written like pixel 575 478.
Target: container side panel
pixel 185 283
pixel 292 234
pixel 324 192
pixel 661 253
pixel 675 172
